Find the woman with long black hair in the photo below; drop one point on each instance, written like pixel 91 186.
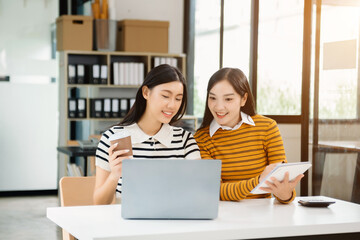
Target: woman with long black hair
pixel 249 144
pixel 160 101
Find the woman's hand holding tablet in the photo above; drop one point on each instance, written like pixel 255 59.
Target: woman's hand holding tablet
pixel 278 173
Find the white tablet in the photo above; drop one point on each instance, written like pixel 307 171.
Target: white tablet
pixel 279 171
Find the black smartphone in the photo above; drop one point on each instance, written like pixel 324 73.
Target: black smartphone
pixel 315 203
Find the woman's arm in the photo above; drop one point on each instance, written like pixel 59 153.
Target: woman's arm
pixel 283 191
pixel 106 181
pixel 235 191
pixel 231 191
pixel 105 186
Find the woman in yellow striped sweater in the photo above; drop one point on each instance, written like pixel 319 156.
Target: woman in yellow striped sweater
pixel 249 145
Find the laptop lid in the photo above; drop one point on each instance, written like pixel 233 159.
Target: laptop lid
pixel 170 188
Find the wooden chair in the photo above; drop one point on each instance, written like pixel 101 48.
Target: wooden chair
pixel 76 191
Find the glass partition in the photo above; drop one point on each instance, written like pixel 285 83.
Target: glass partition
pixel 236 52
pixel 334 120
pixel 280 57
pixel 207 50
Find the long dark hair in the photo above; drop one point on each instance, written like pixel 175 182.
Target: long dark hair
pixel 159 75
pixel 239 82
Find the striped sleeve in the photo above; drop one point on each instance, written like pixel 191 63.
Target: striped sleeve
pixel 190 146
pixel 102 155
pixel 235 191
pixel 229 191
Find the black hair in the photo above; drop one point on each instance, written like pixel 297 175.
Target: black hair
pixel 159 75
pixel 239 82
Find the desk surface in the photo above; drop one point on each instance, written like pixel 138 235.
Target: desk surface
pixel 341 146
pixel 247 219
pixel 76 151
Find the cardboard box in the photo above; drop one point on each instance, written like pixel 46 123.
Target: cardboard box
pixel 74 32
pixel 143 36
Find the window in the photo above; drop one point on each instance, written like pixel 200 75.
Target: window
pixel 207 41
pixel 278 82
pixel 279 54
pixel 236 49
pixel 280 57
pixel 339 50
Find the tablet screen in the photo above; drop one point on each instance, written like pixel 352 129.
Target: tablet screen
pixel 279 171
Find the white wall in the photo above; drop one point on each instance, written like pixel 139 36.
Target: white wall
pixel 25 44
pixel 291 134
pixel 28 103
pixel 28 136
pixel 164 10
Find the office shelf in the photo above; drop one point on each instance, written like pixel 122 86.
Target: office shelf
pixel 82 128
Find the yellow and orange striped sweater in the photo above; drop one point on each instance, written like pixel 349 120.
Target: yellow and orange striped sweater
pixel 245 152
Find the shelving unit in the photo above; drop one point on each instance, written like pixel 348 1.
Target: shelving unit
pixel 82 128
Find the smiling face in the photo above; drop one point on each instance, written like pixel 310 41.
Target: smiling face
pixel 225 103
pixel 163 101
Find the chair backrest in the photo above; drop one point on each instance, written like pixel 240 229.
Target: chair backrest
pixel 77 191
pixel 92 158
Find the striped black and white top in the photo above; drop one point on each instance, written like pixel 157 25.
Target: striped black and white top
pixel 169 143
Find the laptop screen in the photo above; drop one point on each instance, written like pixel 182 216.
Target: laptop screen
pixel 170 188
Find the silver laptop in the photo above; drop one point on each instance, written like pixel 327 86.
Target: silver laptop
pixel 170 189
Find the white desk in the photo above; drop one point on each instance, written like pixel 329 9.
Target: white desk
pixel 247 219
